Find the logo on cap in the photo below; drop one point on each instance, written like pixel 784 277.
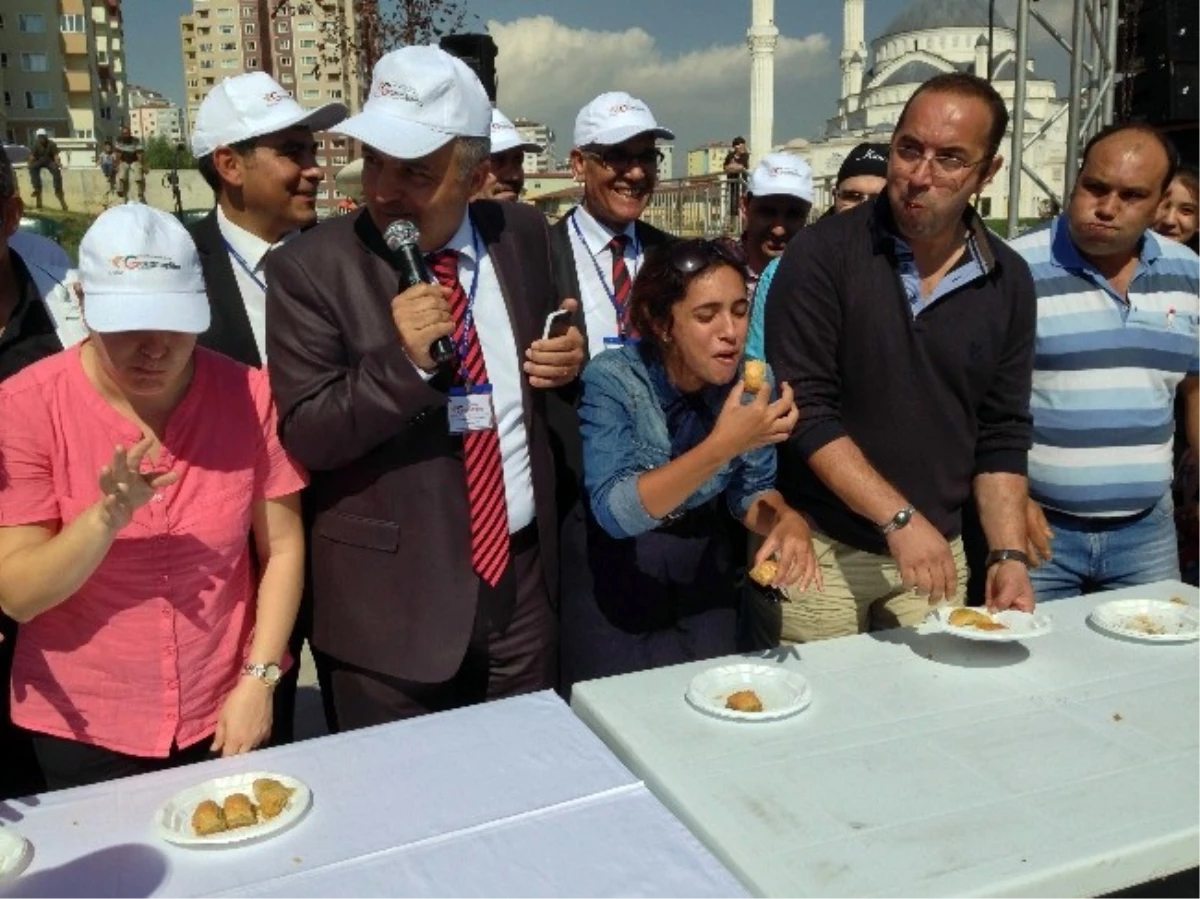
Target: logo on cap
pixel 871 154
pixel 122 264
pixel 396 91
pixel 273 97
pixel 780 170
pixel 619 108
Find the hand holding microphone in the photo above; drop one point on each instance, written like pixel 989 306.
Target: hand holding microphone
pixel 420 311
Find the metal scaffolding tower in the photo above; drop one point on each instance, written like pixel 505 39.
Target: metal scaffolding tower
pixel 1092 51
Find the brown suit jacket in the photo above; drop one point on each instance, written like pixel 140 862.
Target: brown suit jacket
pixel 394 591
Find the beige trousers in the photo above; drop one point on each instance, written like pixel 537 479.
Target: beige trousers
pixel 863 592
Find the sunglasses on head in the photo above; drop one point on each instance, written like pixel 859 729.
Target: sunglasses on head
pixel 690 256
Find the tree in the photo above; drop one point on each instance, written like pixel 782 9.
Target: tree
pixel 161 155
pixel 375 27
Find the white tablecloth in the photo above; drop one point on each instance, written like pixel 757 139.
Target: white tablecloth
pixel 510 798
pixel 935 766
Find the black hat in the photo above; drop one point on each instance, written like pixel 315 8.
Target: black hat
pixel 865 159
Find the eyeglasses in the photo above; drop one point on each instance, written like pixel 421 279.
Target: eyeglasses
pixel 854 197
pixel 689 257
pixel 943 165
pixel 620 160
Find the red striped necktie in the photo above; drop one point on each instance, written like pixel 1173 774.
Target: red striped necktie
pixel 481 449
pixel 622 285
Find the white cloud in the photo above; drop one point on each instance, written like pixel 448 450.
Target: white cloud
pixel 547 71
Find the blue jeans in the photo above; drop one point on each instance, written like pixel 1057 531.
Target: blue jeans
pixel 1092 554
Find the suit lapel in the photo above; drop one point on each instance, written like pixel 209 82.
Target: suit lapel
pixel 230 332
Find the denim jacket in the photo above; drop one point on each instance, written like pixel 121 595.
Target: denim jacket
pixel 623 420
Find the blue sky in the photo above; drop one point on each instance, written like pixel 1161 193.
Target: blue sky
pixel 687 58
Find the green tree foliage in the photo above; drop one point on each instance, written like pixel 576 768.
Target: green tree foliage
pixel 161 155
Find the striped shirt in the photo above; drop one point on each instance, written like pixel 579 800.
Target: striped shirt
pixel 1106 371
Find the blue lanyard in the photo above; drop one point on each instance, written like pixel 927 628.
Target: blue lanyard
pixel 237 257
pixel 622 324
pixel 462 345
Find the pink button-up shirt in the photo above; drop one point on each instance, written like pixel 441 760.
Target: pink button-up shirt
pixel 145 653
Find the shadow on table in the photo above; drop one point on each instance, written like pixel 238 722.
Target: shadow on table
pixel 946 649
pixel 128 869
pixel 11 809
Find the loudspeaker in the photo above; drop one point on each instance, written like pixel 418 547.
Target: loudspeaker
pixel 1167 93
pixel 1167 32
pixel 479 52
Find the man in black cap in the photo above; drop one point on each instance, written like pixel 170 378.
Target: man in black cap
pixel 862 176
pixel 736 168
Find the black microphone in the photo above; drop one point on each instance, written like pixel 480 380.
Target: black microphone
pixel 402 239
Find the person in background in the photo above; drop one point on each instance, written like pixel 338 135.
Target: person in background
pixel 1118 324
pixel 506 178
pixel 44 156
pixel 129 166
pixel 125 524
pixel 1177 221
pixel 778 200
pixel 736 167
pixel 677 451
pixel 254 147
pixel 107 161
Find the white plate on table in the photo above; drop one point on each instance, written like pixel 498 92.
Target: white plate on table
pixel 1151 620
pixel 781 692
pixel 173 819
pixel 1017 625
pixel 15 854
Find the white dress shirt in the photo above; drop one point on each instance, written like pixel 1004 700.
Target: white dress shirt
pixel 252 284
pixel 503 360
pixel 595 286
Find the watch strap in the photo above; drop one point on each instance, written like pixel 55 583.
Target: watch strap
pixel 899 520
pixel 997 556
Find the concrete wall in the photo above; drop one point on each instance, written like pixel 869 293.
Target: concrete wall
pixel 87 191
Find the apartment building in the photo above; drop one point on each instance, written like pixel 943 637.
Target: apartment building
pixel 62 68
pixel 151 115
pixel 536 132
pixel 292 42
pixel 707 159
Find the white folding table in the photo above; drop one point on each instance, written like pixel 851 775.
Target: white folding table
pixel 514 797
pixel 935 766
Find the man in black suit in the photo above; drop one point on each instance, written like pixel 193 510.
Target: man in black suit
pixel 598 248
pixel 254 146
pixel 434 546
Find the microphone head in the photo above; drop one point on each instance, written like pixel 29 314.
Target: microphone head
pixel 401 233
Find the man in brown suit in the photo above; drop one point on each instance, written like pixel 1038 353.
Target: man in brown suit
pixel 434 556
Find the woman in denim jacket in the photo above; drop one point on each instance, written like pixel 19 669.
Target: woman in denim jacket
pixel 676 454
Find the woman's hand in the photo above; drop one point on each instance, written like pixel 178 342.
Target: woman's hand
pixel 245 719
pixel 790 542
pixel 742 427
pixel 125 488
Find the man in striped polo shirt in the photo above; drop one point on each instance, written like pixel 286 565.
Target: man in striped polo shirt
pixel 1116 338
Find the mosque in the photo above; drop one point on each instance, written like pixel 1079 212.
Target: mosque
pixel 930 37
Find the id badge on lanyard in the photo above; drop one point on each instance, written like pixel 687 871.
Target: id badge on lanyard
pixel 471 409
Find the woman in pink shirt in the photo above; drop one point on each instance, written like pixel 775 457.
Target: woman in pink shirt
pixel 133 469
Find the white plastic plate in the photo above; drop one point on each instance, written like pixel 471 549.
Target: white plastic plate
pixel 173 819
pixel 15 854
pixel 781 692
pixel 1148 619
pixel 1018 625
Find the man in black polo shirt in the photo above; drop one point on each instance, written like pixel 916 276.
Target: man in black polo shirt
pixel 906 330
pixel 37 317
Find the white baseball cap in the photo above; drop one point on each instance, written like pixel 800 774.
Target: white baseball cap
pixel 781 173
pixel 41 132
pixel 614 118
pixel 140 272
pixel 421 99
pixel 252 105
pixel 505 136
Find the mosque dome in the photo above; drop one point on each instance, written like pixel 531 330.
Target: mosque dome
pixel 931 15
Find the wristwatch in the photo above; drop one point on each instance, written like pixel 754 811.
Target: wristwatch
pixel 269 673
pixel 899 520
pixel 1005 555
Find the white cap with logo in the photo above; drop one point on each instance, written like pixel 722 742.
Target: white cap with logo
pixel 505 136
pixel 781 174
pixel 614 118
pixel 252 105
pixel 140 271
pixel 421 99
